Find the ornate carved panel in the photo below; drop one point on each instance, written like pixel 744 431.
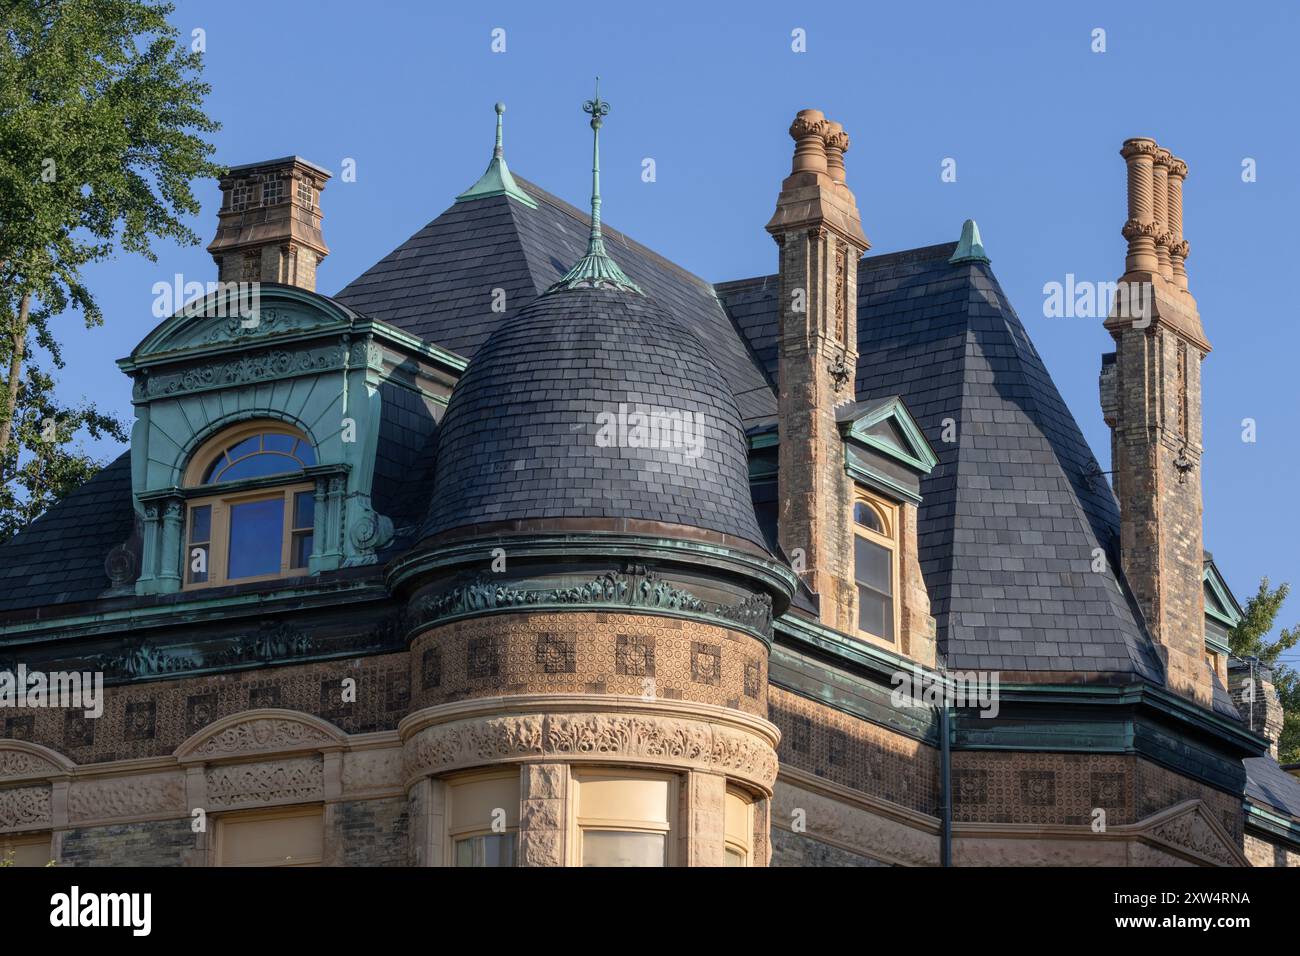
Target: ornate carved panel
pixel 141 795
pixel 295 780
pixel 25 808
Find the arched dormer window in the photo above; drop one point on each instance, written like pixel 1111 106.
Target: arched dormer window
pixel 251 508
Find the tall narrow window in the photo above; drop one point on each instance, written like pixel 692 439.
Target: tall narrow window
pixel 483 820
pixel 738 827
pixel 252 514
pixel 624 819
pixel 875 566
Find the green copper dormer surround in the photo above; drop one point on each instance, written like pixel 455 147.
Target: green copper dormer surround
pixel 266 352
pixel 1228 611
pixel 596 270
pixel 886 425
pixel 969 247
pixel 496 180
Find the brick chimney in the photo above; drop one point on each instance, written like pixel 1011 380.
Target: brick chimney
pixel 268 229
pixel 1151 398
pixel 819 233
pixel 1251 685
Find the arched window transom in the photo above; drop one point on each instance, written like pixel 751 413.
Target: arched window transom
pixel 258 456
pixel 256 530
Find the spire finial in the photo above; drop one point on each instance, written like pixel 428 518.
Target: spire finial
pixel 596 270
pixel 497 181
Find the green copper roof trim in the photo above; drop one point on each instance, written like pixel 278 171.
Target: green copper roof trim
pixel 1266 819
pixel 1232 614
pixel 596 270
pixel 919 455
pixel 969 247
pixel 496 180
pixel 773 575
pixel 869 476
pixel 190 607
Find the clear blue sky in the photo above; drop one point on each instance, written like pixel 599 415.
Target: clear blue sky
pixel 1011 91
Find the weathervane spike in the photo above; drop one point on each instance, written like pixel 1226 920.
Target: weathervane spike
pixel 596 269
pixel 496 180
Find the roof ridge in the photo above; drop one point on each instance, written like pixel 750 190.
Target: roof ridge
pixel 609 232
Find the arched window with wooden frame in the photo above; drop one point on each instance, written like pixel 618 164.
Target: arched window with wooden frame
pixel 875 565
pixel 251 507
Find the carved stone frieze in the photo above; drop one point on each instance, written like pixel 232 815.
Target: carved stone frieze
pixel 16 764
pixel 1190 831
pixel 636 738
pixel 261 734
pixel 294 780
pixel 139 795
pixel 23 808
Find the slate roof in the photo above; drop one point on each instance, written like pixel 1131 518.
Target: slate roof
pixel 522 437
pixel 1267 782
pixel 439 283
pixel 59 557
pixel 1010 517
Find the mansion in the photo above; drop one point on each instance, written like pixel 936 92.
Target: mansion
pixel 529 547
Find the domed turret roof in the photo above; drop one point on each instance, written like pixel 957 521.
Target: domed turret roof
pixel 593 402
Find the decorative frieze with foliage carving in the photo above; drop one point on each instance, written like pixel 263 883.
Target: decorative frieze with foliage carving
pixel 635 588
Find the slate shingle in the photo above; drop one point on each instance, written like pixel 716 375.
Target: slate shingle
pixel 523 436
pixel 1012 515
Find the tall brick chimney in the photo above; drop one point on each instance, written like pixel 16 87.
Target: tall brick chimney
pixel 268 229
pixel 819 233
pixel 1151 398
pixel 1250 683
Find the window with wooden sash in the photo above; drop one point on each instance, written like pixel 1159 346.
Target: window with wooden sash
pixel 875 565
pixel 241 532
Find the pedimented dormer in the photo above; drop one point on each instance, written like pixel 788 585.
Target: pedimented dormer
pixel 259 410
pixel 886 455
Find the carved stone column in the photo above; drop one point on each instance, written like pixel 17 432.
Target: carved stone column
pixel 1139 230
pixel 702 820
pixel 1160 205
pixel 1178 248
pixel 544 814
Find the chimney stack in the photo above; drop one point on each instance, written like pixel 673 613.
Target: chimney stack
pixel 268 229
pixel 819 233
pixel 1151 398
pixel 1250 683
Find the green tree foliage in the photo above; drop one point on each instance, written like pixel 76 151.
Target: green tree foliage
pixel 1250 639
pixel 101 123
pixel 44 460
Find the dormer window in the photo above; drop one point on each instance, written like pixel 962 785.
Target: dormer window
pixel 875 565
pixel 258 520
